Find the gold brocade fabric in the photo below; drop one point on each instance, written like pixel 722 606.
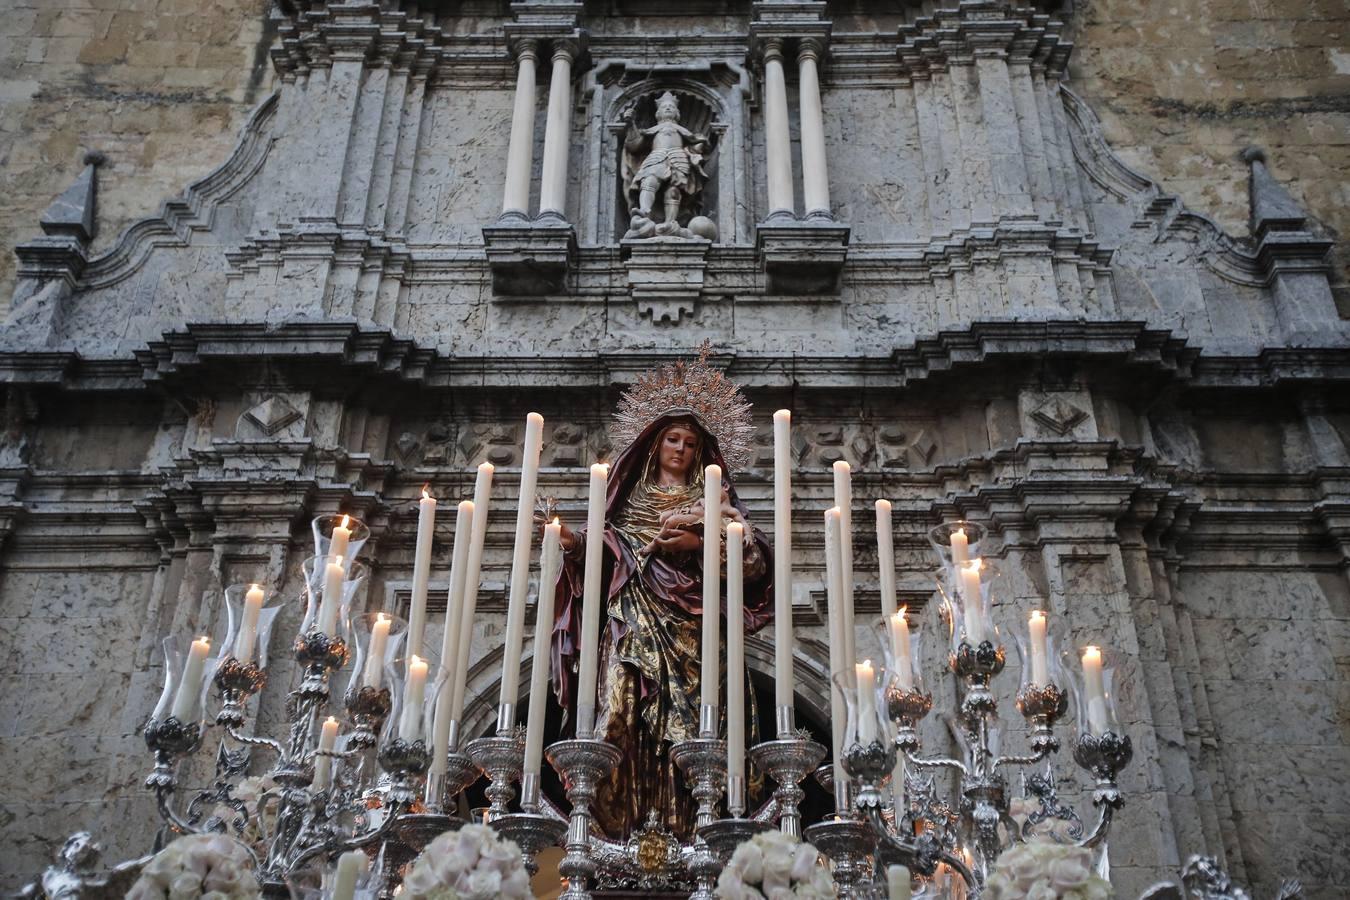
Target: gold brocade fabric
pixel 662 646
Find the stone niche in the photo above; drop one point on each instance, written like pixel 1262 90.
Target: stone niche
pixel 709 95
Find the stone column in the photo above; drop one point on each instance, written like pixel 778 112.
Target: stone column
pixel 777 143
pixel 520 154
pixel 557 136
pixel 815 176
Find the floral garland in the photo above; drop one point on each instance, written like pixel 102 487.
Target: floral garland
pixel 472 863
pixel 198 867
pixel 775 866
pixel 1041 869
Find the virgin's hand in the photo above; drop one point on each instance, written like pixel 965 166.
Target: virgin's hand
pixel 678 541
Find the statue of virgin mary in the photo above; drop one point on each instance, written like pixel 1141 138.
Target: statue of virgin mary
pixel 670 426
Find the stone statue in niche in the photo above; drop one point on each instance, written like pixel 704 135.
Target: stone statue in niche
pixel 665 161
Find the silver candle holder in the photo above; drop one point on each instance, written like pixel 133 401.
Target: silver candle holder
pixel 581 763
pixel 703 761
pixel 788 760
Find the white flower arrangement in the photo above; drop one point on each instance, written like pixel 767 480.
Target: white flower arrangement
pixel 198 867
pixel 1042 869
pixel 473 863
pixel 775 866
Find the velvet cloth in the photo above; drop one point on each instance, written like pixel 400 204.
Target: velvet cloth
pixel 650 655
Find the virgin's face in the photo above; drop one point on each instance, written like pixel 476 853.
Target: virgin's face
pixel 679 445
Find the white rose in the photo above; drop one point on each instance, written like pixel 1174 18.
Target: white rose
pixel 484 884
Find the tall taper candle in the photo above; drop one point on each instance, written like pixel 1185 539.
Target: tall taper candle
pixel 886 558
pixel 784 687
pixel 735 657
pixel 712 584
pixel 843 499
pixel 960 547
pixel 414 692
pixel 440 731
pixel 186 700
pixel 482 496
pixel 323 764
pixel 550 561
pixel 897 883
pixel 248 626
pixel 834 590
pixel 520 568
pixel 417 614
pixel 592 598
pixel 866 680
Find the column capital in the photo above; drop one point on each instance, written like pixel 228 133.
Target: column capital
pixel 523 46
pixel 812 48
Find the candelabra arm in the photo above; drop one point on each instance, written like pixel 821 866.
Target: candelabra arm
pixel 254 741
pixel 334 847
pixel 163 797
pixel 1029 760
pixel 936 762
pixel 1106 812
pixel 549 808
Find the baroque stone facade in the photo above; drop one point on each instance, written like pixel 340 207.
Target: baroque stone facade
pixel 925 246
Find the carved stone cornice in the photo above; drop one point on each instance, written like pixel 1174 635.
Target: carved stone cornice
pixel 959 33
pixel 789 24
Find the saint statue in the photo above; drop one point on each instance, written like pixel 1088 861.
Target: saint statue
pixel 671 425
pixel 665 160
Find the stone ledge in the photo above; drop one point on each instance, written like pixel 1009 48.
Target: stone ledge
pixel 529 259
pixel 802 257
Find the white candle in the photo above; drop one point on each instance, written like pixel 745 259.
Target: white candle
pixel 440 738
pixel 190 684
pixel 593 596
pixel 341 536
pixel 473 564
pixel 712 583
pixel 372 676
pixel 351 866
pixel 735 652
pixel 414 692
pixel 867 702
pixel 784 687
pixel 1095 690
pixel 248 625
pixel 323 765
pixel 900 650
pixel 417 613
pixel 974 603
pixel 843 499
pixel 550 561
pixel 960 547
pixel 834 593
pixel 330 603
pixel 1040 670
pixel 886 558
pixel 897 883
pixel 520 562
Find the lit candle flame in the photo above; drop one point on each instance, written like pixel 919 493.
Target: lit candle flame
pixel 903 613
pixel 381 617
pixel 426 491
pixel 345 520
pixel 556 522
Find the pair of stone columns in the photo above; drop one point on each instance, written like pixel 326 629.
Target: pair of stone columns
pixel 557 137
pixel 778 149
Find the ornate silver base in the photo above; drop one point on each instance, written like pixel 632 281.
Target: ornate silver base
pixel 581 763
pixel 788 761
pixel 849 844
pixel 502 759
pixel 532 832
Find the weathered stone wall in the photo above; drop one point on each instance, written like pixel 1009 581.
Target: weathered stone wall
pixel 162 87
pixel 1182 88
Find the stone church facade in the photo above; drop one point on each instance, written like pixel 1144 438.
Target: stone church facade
pixel 923 243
